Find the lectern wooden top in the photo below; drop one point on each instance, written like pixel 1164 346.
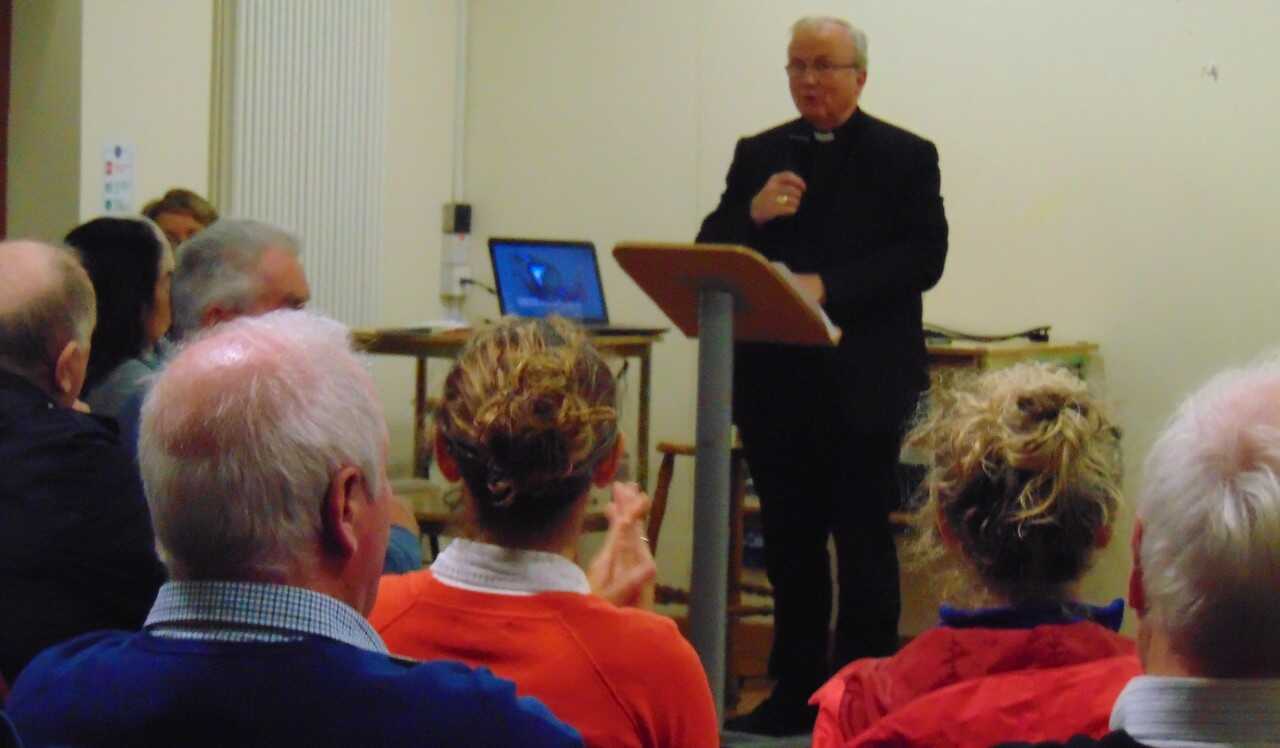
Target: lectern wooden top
pixel 767 307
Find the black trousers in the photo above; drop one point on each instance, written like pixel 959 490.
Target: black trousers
pixel 819 477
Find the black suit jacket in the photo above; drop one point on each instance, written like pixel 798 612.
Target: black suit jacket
pixel 882 242
pixel 76 548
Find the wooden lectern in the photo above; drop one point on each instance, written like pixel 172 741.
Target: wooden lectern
pixel 719 293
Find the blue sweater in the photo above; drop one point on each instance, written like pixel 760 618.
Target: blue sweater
pixel 113 688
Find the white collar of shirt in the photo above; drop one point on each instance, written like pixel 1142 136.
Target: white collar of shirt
pixel 482 567
pixel 1168 712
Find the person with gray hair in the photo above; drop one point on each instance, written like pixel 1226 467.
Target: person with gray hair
pixel 852 205
pixel 75 538
pixel 241 267
pixel 236 267
pixel 1206 573
pixel 264 456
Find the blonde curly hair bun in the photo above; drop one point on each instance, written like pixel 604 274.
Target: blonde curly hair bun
pixel 528 413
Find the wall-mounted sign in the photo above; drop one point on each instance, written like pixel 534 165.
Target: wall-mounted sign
pixel 118 178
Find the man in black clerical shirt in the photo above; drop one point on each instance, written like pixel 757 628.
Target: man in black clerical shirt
pixel 852 205
pixel 76 548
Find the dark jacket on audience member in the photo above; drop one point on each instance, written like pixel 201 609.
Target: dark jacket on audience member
pixel 8 737
pixel 76 548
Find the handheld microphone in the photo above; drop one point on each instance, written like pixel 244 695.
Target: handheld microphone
pixel 800 155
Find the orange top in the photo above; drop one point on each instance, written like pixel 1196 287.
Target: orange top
pixel 621 676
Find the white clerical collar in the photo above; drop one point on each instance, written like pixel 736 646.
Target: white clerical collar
pixel 482 567
pixel 1161 711
pixel 824 136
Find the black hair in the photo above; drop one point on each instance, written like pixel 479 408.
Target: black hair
pixel 122 257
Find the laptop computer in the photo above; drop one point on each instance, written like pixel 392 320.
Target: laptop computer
pixel 541 277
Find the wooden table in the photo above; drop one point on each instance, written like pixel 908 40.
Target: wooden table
pixel 422 345
pixel 985 356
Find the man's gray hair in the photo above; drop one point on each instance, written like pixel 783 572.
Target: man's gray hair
pixel 241 435
pixel 218 266
pixel 856 35
pixel 35 323
pixel 1210 513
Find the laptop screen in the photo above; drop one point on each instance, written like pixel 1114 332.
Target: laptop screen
pixel 535 278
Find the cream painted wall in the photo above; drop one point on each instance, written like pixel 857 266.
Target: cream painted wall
pixel 1095 177
pixel 44 119
pixel 89 73
pixel 419 179
pixel 145 81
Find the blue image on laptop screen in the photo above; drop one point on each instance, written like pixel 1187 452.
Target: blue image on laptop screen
pixel 539 278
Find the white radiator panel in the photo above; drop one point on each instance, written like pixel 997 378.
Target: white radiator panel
pixel 306 119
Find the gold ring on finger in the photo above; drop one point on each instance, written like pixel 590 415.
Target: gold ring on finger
pixel 782 199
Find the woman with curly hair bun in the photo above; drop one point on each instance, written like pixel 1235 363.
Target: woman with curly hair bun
pixel 528 422
pixel 1021 489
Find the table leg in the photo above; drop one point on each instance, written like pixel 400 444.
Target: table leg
pixel 642 418
pixel 421 450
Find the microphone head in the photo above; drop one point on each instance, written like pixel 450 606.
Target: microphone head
pixel 800 154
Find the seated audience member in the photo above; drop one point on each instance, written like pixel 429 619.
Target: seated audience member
pixel 1021 488
pixel 131 266
pixel 76 550
pixel 1206 571
pixel 240 267
pixel 181 214
pixel 236 267
pixel 263 453
pixel 528 423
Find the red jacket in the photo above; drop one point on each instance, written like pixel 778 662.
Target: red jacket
pixel 1028 705
pixel 867 690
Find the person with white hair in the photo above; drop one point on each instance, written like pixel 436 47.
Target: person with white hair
pixel 852 205
pixel 1206 573
pixel 75 539
pixel 264 454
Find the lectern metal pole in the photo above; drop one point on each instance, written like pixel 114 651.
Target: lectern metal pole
pixel 709 584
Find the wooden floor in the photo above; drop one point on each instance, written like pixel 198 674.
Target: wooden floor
pixel 754 691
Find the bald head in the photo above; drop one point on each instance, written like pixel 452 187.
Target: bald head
pixel 46 317
pixel 241 437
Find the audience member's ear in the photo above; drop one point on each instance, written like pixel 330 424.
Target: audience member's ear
pixel 341 527
pixel 1102 537
pixel 945 532
pixel 214 315
pixel 445 461
pixel 1137 593
pixel 69 373
pixel 608 467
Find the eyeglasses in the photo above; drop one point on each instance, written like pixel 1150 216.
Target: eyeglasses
pixel 820 68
